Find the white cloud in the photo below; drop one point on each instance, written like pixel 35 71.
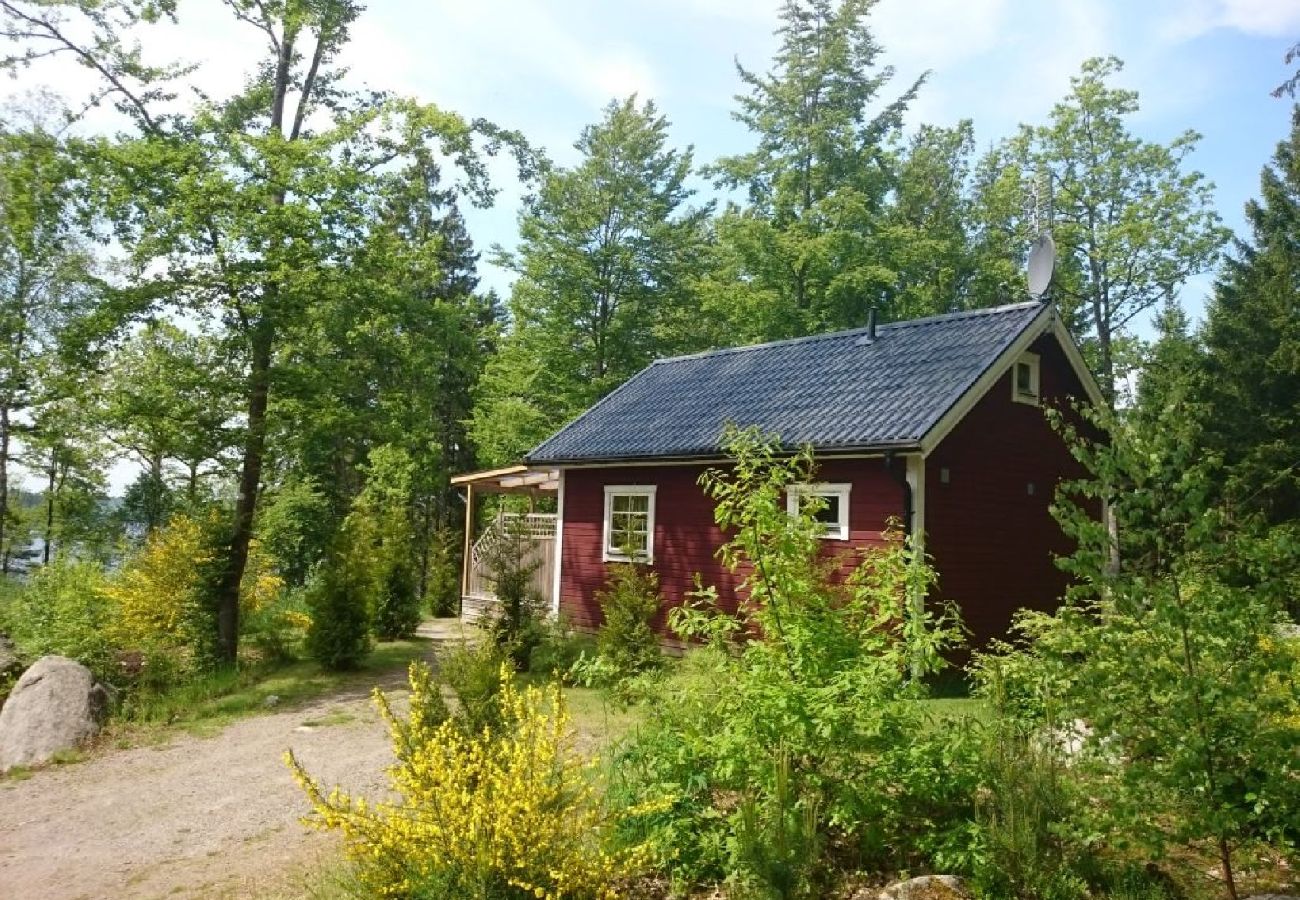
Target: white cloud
pixel 1259 18
pixel 928 34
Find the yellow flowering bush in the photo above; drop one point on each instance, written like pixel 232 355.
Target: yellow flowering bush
pixel 506 812
pixel 155 593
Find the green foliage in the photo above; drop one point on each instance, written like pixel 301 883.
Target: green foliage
pixel 607 255
pixel 168 400
pixel 293 525
pixel 1028 798
pixel 1174 666
pixel 63 610
pixel 626 642
pixel 801 256
pixel 473 671
pixel 776 847
pixel 1131 222
pixel 1252 340
pixel 380 512
pixel 822 673
pixel 515 618
pixel 558 649
pixel 442 572
pixel 339 596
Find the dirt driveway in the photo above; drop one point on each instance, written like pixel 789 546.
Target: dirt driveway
pixel 196 817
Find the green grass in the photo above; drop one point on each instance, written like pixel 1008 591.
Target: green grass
pixel 333 717
pixel 950 709
pixel 206 706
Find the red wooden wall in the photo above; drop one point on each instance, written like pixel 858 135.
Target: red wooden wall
pixel 993 542
pixel 686 539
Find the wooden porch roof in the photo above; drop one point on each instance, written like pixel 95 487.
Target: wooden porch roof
pixel 520 479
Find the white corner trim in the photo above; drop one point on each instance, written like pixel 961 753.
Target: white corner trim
pixel 916 481
pixel 638 490
pixel 823 489
pixel 559 547
pixel 1077 362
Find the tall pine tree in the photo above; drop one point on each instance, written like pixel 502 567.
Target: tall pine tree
pixel 1252 338
pixel 802 254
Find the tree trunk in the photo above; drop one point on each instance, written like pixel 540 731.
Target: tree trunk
pixel 48 538
pixel 153 512
pixel 246 505
pixel 261 345
pixel 1225 859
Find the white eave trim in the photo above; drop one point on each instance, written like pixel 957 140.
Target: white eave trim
pixel 1045 321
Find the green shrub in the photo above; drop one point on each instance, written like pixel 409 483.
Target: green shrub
pixel 473 671
pixel 516 617
pixel 1169 655
pixel 276 631
pixel 397 607
pixel 338 596
pixel 1026 808
pixel 64 610
pixel 557 649
pixel 628 603
pixel 822 673
pixel 442 570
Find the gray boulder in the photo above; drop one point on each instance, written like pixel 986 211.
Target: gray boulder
pixel 56 705
pixel 927 887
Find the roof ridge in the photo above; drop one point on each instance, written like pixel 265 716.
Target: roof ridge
pixel 830 335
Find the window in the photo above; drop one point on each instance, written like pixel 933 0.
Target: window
pixel 629 523
pixel 1024 379
pixel 834 508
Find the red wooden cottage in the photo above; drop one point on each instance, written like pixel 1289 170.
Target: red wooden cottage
pixel 937 422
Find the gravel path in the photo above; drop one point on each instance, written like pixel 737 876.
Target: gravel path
pixel 196 817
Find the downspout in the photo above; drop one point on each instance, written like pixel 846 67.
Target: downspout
pixel 899 474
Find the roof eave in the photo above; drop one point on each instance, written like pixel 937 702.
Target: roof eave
pixel 824 451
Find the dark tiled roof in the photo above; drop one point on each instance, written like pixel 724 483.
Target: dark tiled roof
pixel 833 391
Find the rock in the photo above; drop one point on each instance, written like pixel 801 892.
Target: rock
pixel 56 705
pixel 9 661
pixel 927 887
pixel 271 701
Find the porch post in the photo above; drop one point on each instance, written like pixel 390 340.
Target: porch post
pixel 469 539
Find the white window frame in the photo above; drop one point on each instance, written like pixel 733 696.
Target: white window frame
pixel 840 530
pixel 615 554
pixel 1031 360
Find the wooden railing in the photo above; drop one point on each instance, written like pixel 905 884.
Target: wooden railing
pixel 536 533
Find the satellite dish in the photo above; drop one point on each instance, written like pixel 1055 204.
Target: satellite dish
pixel 1042 260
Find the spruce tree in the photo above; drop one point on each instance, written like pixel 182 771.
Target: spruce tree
pixel 1252 338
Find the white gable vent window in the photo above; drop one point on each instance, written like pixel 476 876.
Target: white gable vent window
pixel 833 511
pixel 1024 379
pixel 629 523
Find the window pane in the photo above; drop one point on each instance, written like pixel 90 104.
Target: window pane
pixel 829 514
pixel 629 523
pixel 1024 378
